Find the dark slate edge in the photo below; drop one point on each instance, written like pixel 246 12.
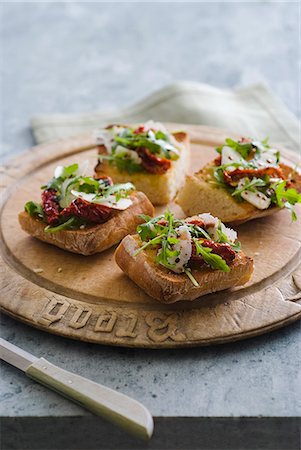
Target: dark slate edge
pixel 180 433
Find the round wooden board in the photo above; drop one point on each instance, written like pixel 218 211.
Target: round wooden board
pixel 90 299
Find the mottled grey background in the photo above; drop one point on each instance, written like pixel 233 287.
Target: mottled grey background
pixel 80 57
pixel 76 57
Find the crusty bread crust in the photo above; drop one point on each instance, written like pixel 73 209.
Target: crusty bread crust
pixel 160 189
pixel 169 287
pixel 94 239
pixel 198 196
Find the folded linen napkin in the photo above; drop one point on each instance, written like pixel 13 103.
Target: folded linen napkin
pixel 252 111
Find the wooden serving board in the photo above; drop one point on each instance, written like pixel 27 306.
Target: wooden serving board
pixel 89 298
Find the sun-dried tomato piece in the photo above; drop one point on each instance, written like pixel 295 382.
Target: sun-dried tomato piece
pixel 162 222
pixel 50 205
pixel 218 160
pixel 91 212
pixel 196 221
pixel 139 130
pixel 152 163
pixel 234 176
pixel 225 251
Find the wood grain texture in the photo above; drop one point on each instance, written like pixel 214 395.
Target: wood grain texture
pixel 90 299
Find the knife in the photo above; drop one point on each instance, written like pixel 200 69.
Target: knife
pixel 118 408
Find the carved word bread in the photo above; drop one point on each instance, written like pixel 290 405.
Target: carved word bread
pixel 84 215
pixel 247 180
pixel 149 156
pixel 173 259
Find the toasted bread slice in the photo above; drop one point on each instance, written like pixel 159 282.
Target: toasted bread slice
pixel 160 189
pixel 169 287
pixel 93 239
pixel 198 196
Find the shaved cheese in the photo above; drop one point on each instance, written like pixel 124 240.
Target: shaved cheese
pixel 231 234
pixel 83 168
pixel 66 196
pixel 257 199
pixel 58 172
pixel 267 158
pixel 276 180
pixel 184 247
pixel 171 148
pixel 106 138
pixel 121 204
pixel 229 155
pixel 110 200
pixel 120 150
pixel 259 145
pixel 210 223
pixel 208 219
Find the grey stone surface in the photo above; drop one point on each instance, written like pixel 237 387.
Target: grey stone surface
pixel 79 57
pixel 258 377
pixel 75 57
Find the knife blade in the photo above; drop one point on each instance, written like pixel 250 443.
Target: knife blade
pixel 114 406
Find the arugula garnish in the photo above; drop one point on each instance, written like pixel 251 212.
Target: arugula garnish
pixel 155 141
pixel 290 195
pixel 219 180
pixel 64 183
pixel 191 277
pixel 286 198
pixel 155 241
pixel 34 209
pixel 161 233
pixel 213 260
pixel 198 232
pixel 150 229
pixel 279 193
pixel 138 141
pixel 67 172
pixel 249 185
pixel 166 253
pixel 265 142
pixel 222 238
pixel 88 184
pixel 244 149
pixel 236 246
pixel 123 163
pixel 72 223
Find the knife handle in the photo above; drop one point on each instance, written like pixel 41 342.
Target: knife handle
pixel 113 406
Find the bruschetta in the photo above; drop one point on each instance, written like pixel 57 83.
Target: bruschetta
pixel 247 180
pixel 84 215
pixel 149 156
pixel 173 259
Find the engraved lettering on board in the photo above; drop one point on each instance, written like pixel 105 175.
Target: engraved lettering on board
pixel 163 326
pixel 80 317
pixel 128 329
pixel 106 322
pixel 53 311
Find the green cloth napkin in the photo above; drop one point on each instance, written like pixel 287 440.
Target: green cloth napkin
pixel 252 111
